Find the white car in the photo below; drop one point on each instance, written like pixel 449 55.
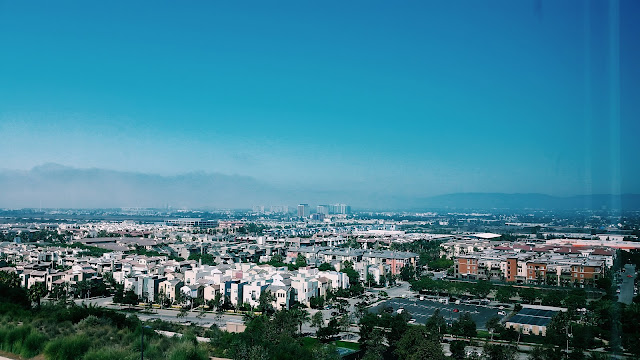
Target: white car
pixel 502 313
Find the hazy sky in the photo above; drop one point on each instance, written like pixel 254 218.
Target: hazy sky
pixel 410 97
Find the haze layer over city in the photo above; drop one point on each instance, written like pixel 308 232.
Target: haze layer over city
pixel 371 104
pixel 333 180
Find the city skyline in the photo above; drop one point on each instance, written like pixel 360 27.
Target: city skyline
pixel 413 101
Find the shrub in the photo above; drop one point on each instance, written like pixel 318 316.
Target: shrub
pixel 188 351
pixel 111 353
pixel 14 337
pixel 33 344
pixel 67 348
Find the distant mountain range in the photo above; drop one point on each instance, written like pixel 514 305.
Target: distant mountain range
pixel 57 186
pixel 53 185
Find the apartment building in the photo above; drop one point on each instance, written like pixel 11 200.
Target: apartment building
pixel 521 263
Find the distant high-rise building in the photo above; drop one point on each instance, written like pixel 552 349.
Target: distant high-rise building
pixel 303 210
pixel 339 209
pixel 279 209
pixel 322 209
pixel 258 209
pixel 317 216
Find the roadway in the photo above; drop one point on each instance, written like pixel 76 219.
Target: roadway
pixel 627 285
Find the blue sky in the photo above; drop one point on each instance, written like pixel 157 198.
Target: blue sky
pixel 407 98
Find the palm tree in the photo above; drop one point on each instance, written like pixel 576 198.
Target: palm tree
pixel 301 316
pixel 37 291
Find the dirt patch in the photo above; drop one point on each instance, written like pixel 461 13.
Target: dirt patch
pixel 9 356
pixel 5 355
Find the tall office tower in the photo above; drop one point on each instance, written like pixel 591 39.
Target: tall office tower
pixel 303 210
pixel 339 209
pixel 279 209
pixel 322 209
pixel 258 209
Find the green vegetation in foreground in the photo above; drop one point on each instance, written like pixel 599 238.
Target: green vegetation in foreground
pixel 71 332
pixel 348 345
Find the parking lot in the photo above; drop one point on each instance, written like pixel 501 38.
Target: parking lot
pixel 421 310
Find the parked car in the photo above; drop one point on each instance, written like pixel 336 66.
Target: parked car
pixel 502 313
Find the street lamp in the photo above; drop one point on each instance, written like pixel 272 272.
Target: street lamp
pixel 142 327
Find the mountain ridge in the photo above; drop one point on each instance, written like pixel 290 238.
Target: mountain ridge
pixel 53 185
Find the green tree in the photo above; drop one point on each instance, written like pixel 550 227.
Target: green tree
pixel 276 260
pixel 417 340
pixel 301 316
pixel 265 302
pixel 371 281
pixel 436 323
pixel 553 298
pixel 482 288
pixel 317 320
pixel 494 326
pixel 316 302
pixel 457 349
pixel 326 332
pixel 557 329
pixel 440 264
pixel 499 352
pixel 576 299
pixel 464 326
pixel 504 293
pixel 326 267
pixel 9 279
pixel 355 287
pixel 37 291
pixel 373 346
pixel 301 261
pixel 537 353
pixel 58 291
pixel 407 273
pixel 528 294
pixel 130 297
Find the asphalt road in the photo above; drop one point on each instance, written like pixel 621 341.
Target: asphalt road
pixel 626 288
pixel 421 310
